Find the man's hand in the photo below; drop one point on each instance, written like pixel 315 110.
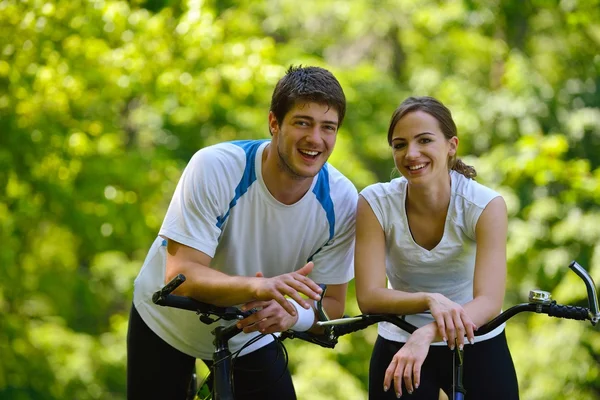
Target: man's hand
pixel 291 284
pixel 270 318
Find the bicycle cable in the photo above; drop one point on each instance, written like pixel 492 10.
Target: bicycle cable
pixel 281 350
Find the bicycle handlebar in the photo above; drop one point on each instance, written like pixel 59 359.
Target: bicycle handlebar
pixel 539 302
pixel 163 297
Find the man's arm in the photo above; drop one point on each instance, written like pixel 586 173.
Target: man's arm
pixel 271 317
pixel 211 286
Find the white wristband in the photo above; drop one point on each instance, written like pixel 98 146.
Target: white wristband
pixel 306 318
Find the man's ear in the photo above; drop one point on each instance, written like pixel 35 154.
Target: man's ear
pixel 273 124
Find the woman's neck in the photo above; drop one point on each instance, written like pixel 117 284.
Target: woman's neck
pixel 429 199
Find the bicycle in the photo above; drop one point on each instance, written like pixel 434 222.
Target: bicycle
pixel 539 302
pixel 220 373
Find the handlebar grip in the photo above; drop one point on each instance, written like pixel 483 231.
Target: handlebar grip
pixel 345 329
pixel 569 312
pixel 168 288
pixel 321 340
pixel 183 303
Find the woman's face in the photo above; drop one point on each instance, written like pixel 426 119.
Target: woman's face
pixel 420 149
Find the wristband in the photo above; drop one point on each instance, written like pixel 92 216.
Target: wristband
pixel 306 318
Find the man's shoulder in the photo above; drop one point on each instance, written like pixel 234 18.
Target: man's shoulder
pixel 227 154
pixel 338 182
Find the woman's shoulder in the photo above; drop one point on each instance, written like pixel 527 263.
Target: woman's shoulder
pixel 472 191
pixel 384 189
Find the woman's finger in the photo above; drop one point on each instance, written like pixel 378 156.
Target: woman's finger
pixel 398 376
pixel 460 331
pixel 417 374
pixel 389 375
pixel 450 331
pixel 469 327
pixel 441 325
pixel 408 377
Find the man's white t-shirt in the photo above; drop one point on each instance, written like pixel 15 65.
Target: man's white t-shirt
pixel 448 268
pixel 222 207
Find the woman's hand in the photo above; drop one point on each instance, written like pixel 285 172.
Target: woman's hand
pixel 407 362
pixel 451 319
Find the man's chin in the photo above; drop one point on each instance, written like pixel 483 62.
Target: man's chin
pixel 308 172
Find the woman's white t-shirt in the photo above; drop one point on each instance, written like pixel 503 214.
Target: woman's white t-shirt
pixel 447 268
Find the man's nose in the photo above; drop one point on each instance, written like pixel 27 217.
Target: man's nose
pixel 314 134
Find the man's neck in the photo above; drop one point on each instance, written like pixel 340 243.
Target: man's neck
pixel 281 183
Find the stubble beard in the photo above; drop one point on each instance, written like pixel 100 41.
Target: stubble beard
pixel 285 166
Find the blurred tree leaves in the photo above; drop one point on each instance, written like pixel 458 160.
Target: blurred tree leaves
pixel 103 102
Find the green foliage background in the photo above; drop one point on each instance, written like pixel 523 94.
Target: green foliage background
pixel 102 102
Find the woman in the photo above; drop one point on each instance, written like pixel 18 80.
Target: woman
pixel 439 238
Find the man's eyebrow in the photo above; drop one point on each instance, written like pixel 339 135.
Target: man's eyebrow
pixel 300 116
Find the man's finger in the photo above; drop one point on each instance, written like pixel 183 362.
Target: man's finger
pixel 300 300
pixel 298 286
pixel 307 268
pixel 255 304
pixel 287 306
pixel 248 321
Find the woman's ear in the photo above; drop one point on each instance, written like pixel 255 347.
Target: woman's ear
pixel 453 141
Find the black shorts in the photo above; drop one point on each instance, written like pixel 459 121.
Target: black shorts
pixel 488 371
pixel 156 370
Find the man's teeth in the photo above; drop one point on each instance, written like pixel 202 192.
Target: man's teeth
pixel 416 167
pixel 310 153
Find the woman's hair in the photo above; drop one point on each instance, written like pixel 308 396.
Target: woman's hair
pixel 437 110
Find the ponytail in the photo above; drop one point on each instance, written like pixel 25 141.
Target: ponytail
pixel 462 168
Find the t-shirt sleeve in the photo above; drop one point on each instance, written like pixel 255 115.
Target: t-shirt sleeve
pixel 370 194
pixel 198 203
pixel 480 196
pixel 334 263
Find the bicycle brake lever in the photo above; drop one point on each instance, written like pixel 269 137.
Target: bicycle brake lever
pixel 321 313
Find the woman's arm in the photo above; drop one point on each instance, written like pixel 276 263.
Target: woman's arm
pixel 373 296
pixel 372 293
pixel 489 281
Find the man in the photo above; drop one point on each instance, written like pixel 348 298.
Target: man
pixel 252 223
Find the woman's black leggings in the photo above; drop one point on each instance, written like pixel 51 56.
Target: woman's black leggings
pixel 156 370
pixel 488 371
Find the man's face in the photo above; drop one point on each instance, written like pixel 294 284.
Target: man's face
pixel 305 139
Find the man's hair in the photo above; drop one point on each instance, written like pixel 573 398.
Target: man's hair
pixel 307 84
